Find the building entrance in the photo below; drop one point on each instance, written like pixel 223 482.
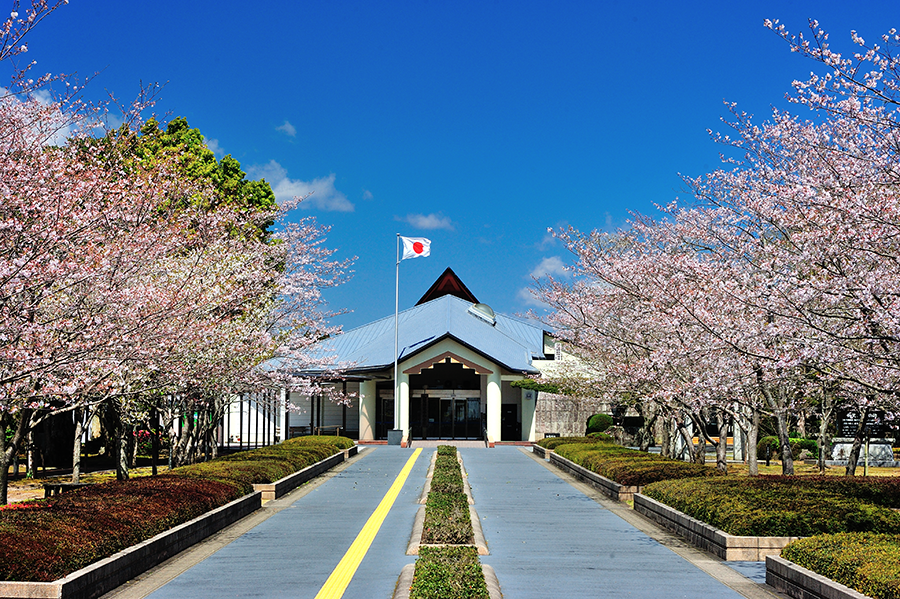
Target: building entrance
pixel 445 417
pixel 445 402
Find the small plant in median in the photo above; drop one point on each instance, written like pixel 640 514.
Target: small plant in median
pixel 448 573
pixel 447 519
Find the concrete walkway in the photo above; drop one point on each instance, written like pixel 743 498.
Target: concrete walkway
pixel 549 536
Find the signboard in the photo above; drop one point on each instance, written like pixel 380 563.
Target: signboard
pixel 848 423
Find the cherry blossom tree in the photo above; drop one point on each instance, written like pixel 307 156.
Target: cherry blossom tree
pixel 781 276
pixel 131 271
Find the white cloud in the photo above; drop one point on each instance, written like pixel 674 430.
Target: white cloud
pixel 288 129
pixel 553 266
pixel 367 195
pixel 213 145
pixel 527 297
pixel 324 194
pixel 427 221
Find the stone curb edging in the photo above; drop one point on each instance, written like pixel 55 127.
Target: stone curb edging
pixel 428 476
pixel 601 483
pixel 105 575
pixel 404 582
pixel 541 452
pixel 723 545
pixel 290 482
pixel 796 581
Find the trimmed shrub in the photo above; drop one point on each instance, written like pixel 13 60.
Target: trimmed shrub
pixel 47 539
pixel 797 446
pixel 786 506
pixel 448 573
pixel 554 442
pixel 598 423
pixel 867 562
pixel 628 466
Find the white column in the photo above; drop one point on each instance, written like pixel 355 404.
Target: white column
pixel 529 406
pixel 367 397
pixel 284 419
pixel 403 425
pixel 493 405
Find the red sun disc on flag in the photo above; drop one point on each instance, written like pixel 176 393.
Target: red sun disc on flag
pixel 418 247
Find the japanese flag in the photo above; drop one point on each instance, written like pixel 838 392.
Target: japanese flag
pixel 415 247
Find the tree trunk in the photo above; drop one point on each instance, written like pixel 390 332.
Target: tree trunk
pixel 646 432
pixel 78 415
pixel 122 473
pixel 857 443
pixel 154 439
pixel 29 454
pixel 823 441
pixel 8 451
pixel 116 438
pixel 722 445
pixel 779 409
pixel 787 458
pixel 698 453
pixel 666 439
pixel 752 440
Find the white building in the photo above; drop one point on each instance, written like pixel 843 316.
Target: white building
pixel 457 360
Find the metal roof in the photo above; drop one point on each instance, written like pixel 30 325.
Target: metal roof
pixel 509 342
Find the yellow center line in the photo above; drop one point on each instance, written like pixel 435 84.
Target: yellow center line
pixel 342 575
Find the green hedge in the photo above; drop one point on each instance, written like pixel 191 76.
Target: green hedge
pixel 554 442
pixel 448 573
pixel 447 519
pixel 628 466
pixel 786 505
pixel 867 562
pixel 598 423
pixel 797 446
pixel 47 539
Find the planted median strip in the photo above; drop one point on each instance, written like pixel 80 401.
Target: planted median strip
pixel 448 566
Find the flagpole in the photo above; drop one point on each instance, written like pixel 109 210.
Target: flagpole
pixel 396 342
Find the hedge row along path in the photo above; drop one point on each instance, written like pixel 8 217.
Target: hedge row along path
pixel 548 537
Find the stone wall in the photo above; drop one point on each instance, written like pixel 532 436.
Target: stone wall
pixel 564 415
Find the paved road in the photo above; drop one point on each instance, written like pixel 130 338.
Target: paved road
pixel 292 553
pixel 549 536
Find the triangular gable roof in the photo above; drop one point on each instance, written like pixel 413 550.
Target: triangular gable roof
pixel 510 342
pixel 448 284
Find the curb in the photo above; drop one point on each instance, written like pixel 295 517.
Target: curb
pixel 797 581
pixel 700 534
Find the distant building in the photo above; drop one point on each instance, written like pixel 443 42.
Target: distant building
pixel 457 360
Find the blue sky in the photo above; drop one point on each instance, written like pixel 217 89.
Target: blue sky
pixel 475 124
